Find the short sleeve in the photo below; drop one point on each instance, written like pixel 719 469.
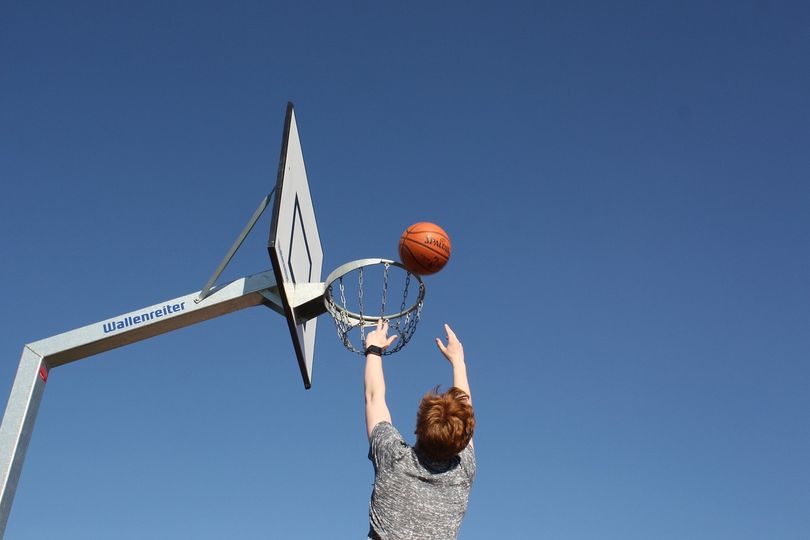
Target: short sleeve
pixel 385 446
pixel 467 457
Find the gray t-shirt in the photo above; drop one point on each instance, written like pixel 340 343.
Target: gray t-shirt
pixel 415 498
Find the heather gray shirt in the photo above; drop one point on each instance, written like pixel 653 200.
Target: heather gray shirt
pixel 415 498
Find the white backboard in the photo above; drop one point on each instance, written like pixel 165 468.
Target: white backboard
pixel 294 245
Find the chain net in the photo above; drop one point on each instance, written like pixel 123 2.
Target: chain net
pixel 349 301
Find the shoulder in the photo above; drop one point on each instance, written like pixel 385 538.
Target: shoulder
pixel 384 430
pixel 386 444
pixel 467 458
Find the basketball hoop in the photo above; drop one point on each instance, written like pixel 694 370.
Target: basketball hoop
pixel 348 303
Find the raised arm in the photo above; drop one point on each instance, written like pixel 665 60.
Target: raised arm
pixel 374 380
pixel 454 352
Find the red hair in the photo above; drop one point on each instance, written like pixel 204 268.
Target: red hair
pixel 444 423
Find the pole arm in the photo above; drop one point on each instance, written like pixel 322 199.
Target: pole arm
pixel 158 319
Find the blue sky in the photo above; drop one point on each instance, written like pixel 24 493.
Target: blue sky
pixel 626 189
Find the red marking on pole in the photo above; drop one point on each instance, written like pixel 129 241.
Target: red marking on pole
pixel 43 373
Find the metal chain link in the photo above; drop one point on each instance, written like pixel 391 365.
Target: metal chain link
pixel 385 289
pixel 342 292
pixel 360 303
pixel 403 324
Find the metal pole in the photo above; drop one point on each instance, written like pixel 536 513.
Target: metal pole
pixel 18 423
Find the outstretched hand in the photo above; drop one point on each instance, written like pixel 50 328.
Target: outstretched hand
pixel 453 351
pixel 379 336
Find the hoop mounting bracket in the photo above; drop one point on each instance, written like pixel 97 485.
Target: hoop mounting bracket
pixel 308 300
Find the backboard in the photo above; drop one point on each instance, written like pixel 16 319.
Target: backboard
pixel 294 245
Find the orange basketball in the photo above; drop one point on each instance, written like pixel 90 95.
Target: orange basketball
pixel 424 248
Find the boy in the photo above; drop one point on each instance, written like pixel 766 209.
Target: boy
pixel 420 492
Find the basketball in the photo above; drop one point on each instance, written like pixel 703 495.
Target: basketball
pixel 424 248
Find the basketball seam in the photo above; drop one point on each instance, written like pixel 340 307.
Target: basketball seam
pixel 427 231
pixel 431 228
pixel 414 261
pixel 429 248
pixel 410 254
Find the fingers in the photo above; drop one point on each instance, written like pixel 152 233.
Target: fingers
pixel 451 336
pixel 379 336
pixel 384 330
pixel 381 327
pixel 453 349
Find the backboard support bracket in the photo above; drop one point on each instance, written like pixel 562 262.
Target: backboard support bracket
pixel 206 290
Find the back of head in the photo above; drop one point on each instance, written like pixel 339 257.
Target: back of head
pixel 444 424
